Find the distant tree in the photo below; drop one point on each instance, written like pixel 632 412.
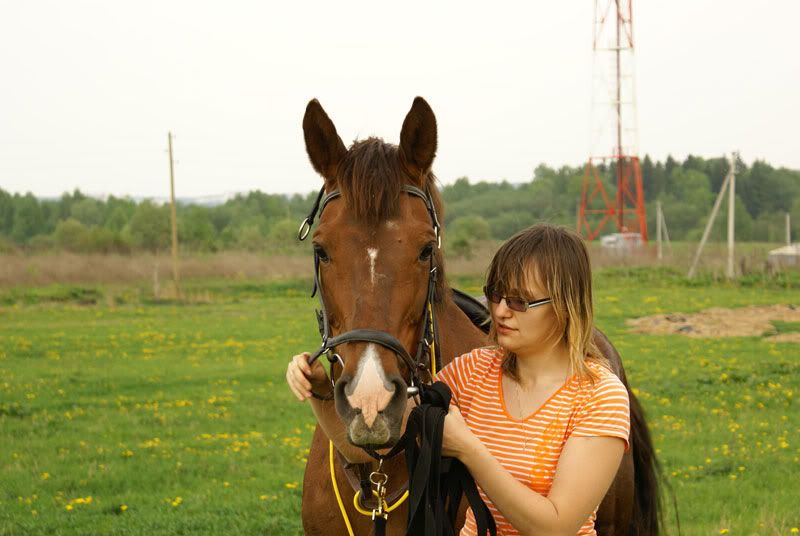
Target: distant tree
pixel 460 245
pixel 717 170
pixel 648 183
pixel 118 217
pixel 283 233
pixel 765 189
pixel 249 237
pixel 460 189
pixel 195 228
pixel 670 164
pixel 71 235
pixel 6 213
pixel 28 218
pixel 88 211
pixel 150 227
pixel 508 223
pixel 474 227
pixel 794 221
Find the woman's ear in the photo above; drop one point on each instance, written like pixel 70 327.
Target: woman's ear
pixel 418 138
pixel 324 146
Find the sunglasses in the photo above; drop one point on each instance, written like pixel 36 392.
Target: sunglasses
pixel 515 304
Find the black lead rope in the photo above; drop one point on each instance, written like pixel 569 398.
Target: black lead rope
pixel 436 484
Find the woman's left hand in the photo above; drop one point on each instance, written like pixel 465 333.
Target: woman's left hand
pixel 457 437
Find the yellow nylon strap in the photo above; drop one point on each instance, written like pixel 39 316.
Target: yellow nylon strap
pixel 433 344
pixel 386 507
pixel 338 496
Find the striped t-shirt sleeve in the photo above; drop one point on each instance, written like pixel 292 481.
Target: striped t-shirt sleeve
pixel 606 413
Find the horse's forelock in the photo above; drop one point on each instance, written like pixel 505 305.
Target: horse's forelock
pixel 370 179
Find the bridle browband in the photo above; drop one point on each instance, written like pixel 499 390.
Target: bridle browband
pixel 429 337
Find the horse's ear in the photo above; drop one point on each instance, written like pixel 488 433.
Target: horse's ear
pixel 418 138
pixel 324 146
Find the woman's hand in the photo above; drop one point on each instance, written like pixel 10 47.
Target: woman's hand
pixel 457 438
pixel 302 377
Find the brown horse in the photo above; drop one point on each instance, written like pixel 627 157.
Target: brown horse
pixel 375 245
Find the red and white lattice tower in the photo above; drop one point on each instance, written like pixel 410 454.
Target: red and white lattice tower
pixel 614 127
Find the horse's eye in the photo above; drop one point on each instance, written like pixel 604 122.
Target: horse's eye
pixel 320 252
pixel 426 252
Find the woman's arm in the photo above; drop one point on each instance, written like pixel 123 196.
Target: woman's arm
pixel 585 470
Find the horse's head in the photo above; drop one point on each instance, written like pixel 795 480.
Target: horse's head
pixel 375 246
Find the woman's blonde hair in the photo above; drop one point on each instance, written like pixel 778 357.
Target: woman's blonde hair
pixel 557 259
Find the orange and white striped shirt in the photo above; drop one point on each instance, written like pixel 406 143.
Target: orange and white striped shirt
pixel 578 408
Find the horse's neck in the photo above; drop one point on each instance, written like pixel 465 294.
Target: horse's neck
pixel 457 334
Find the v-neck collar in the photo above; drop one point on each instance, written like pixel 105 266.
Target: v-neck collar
pixel 542 406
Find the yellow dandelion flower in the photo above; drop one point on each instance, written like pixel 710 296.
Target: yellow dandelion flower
pixel 724 531
pixel 123 507
pixel 291 485
pixel 68 507
pixel 794 530
pixel 45 475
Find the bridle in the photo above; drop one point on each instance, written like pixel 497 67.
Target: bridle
pixel 420 458
pixel 428 351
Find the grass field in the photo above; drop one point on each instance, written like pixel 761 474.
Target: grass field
pixel 135 417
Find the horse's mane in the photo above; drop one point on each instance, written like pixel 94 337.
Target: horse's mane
pixel 370 178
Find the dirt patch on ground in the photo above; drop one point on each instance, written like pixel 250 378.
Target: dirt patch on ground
pixel 753 321
pixel 785 337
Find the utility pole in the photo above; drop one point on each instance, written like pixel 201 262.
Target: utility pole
pixel 728 179
pixel 175 275
pixel 660 254
pixel 731 212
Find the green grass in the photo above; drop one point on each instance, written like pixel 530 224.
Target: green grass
pixel 140 403
pixel 785 327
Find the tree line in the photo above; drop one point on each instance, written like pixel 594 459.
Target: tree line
pixel 259 221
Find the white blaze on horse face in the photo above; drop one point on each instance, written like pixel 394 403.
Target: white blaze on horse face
pixel 369 393
pixel 373 255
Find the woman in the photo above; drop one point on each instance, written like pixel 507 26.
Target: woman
pixel 539 419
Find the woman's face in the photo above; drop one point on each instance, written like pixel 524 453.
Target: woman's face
pixel 530 331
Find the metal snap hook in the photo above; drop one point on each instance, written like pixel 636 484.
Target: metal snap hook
pixel 378 479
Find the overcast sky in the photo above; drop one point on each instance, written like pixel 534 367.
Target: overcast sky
pixel 90 89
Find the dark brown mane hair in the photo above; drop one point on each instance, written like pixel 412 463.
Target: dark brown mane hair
pixel 370 178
